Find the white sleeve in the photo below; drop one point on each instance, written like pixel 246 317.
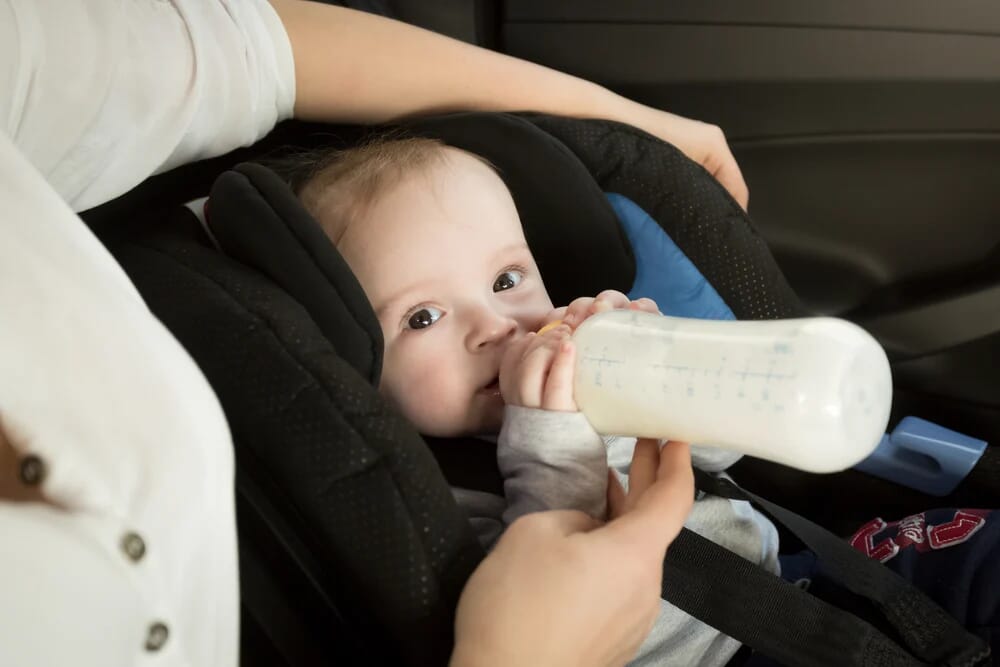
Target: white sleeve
pixel 101 94
pixel 133 441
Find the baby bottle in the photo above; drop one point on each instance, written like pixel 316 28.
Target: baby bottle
pixel 812 393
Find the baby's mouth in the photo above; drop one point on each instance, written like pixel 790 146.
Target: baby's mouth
pixel 493 388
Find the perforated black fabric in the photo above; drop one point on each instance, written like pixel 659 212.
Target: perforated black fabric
pixel 360 489
pixel 260 223
pixel 691 206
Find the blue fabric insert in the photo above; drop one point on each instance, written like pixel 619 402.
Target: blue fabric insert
pixel 664 273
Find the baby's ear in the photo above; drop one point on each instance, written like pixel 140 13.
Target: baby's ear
pixel 259 221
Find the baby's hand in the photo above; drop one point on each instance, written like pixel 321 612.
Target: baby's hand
pixel 537 371
pixel 580 309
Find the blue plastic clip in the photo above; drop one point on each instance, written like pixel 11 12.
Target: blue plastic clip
pixel 924 456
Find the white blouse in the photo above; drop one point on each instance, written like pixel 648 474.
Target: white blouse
pixel 134 561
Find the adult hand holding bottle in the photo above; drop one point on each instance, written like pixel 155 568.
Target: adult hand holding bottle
pixel 548 593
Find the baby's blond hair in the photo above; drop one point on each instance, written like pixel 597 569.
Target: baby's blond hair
pixel 344 183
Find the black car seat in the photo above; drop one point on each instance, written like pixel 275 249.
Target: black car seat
pixel 351 547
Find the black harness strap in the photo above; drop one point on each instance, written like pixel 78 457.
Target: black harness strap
pixel 743 600
pixel 773 616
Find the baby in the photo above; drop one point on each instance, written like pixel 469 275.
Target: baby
pixel 434 238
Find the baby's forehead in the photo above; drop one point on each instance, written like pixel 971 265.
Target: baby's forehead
pixel 451 196
pixel 454 214
pixel 441 261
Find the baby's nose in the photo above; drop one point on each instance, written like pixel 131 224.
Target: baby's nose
pixel 492 329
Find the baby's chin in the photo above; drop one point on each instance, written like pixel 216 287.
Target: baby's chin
pixel 482 416
pixel 490 419
pixel 481 425
pixel 488 428
pixel 484 423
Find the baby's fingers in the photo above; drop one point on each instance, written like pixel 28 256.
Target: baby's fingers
pixel 583 307
pixel 530 378
pixel 558 393
pixel 645 305
pixel 609 299
pixel 577 311
pixel 528 375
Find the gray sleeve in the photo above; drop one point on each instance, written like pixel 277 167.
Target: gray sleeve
pixel 551 460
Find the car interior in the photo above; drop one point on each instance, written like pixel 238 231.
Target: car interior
pixel 866 133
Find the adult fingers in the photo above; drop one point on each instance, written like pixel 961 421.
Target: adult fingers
pixel 723 166
pixel 657 515
pixel 731 178
pixel 645 464
pixel 560 522
pixel 617 499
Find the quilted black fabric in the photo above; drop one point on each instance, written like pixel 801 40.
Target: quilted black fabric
pixel 260 224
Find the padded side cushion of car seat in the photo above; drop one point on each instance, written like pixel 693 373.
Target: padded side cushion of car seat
pixel 355 481
pixel 256 219
pixel 664 273
pixel 695 211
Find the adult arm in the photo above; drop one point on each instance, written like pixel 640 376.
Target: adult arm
pixel 81 104
pixel 357 67
pixel 100 94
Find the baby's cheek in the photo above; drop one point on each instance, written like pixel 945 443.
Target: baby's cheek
pixel 419 407
pixel 429 399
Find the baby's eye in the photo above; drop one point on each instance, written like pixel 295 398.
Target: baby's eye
pixel 509 279
pixel 423 318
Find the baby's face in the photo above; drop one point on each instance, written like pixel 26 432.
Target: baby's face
pixel 443 260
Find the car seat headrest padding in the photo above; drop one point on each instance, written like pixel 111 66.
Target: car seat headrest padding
pixel 695 210
pixel 257 220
